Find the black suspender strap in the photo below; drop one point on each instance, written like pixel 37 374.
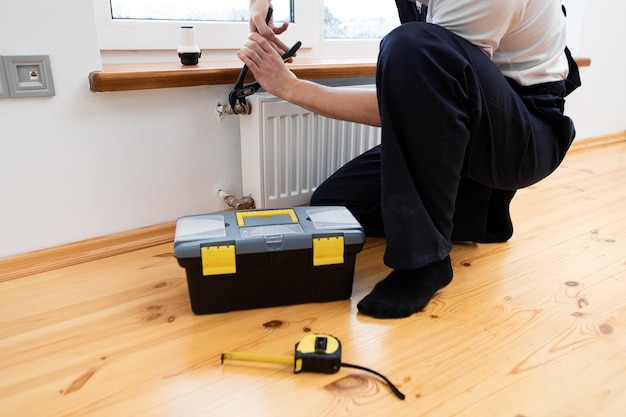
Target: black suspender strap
pixel 410 11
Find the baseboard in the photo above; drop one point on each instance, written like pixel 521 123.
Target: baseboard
pixel 582 144
pixel 84 251
pixel 101 247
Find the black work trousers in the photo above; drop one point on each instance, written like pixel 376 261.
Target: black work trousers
pixel 458 139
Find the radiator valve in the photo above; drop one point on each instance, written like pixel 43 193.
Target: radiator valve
pixel 243 203
pixel 240 108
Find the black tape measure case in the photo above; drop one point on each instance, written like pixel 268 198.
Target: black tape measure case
pixel 268 257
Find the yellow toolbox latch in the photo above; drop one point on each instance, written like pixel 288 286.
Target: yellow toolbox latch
pixel 218 259
pixel 328 250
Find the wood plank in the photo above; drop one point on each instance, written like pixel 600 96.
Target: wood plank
pixel 21 265
pixel 532 327
pixel 128 77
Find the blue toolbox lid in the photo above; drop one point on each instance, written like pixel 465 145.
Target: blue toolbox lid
pixel 263 230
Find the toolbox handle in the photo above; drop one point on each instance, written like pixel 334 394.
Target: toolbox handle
pixel 242 215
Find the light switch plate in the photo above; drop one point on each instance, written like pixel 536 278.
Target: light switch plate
pixel 4 83
pixel 29 75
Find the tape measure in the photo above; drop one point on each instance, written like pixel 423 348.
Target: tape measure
pixel 316 352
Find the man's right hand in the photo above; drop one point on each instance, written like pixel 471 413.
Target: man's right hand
pixel 258 15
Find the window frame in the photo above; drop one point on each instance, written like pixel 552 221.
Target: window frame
pixel 119 34
pixel 143 40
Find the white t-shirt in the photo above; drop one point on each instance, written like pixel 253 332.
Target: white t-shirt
pixel 524 38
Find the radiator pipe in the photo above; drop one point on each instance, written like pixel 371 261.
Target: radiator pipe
pixel 243 203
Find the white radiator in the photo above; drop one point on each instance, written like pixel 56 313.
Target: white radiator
pixel 287 151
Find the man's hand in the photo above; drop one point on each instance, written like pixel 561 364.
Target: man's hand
pixel 267 65
pixel 258 14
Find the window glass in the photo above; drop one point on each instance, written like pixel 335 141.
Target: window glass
pixel 359 19
pixel 193 10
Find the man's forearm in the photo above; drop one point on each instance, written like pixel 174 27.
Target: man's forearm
pixel 343 103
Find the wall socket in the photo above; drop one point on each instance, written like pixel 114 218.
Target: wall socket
pixel 28 75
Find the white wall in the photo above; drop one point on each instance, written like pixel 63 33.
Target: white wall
pixel 598 107
pixel 81 165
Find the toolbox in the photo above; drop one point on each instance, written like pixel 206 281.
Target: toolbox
pixel 245 259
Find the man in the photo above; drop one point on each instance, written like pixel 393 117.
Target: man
pixel 471 109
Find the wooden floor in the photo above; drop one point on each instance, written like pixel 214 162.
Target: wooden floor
pixel 533 327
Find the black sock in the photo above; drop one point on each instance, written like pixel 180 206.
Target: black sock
pixel 405 292
pixel 499 226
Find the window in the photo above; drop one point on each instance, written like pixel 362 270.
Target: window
pixel 361 19
pixel 155 24
pixel 326 27
pixel 192 10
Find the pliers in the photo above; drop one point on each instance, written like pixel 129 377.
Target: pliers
pixel 237 97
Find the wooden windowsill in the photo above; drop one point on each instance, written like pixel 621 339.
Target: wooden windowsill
pixel 128 77
pixel 124 77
